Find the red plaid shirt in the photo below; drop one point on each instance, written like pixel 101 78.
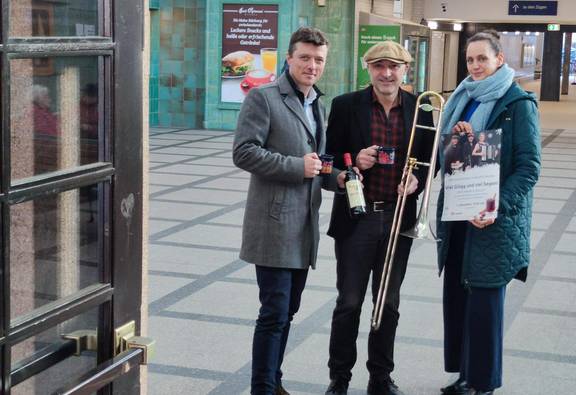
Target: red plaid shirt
pixel 386 131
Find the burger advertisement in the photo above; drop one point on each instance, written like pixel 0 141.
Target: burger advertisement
pixel 249 49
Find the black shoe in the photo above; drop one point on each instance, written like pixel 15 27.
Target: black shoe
pixel 337 387
pixel 383 387
pixel 458 387
pixel 281 391
pixel 484 393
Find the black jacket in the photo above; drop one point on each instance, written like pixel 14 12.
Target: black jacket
pixel 349 131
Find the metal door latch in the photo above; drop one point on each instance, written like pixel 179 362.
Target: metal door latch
pixel 124 339
pixel 86 340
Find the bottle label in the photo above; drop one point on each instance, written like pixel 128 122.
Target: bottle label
pixel 355 195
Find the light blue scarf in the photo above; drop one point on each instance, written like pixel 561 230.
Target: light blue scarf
pixel 486 91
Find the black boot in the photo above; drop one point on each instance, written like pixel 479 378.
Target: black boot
pixel 459 387
pixel 383 386
pixel 337 386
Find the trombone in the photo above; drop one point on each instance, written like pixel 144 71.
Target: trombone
pixel 422 228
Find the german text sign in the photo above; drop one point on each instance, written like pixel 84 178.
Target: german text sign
pixel 517 7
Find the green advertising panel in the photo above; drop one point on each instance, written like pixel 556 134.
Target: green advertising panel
pixel 369 35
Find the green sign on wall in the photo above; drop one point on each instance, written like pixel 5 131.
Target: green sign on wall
pixel 369 35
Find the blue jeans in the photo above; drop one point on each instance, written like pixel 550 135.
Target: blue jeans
pixel 280 295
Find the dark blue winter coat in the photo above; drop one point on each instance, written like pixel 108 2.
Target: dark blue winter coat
pixel 496 254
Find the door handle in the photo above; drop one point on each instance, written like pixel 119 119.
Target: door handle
pixel 124 339
pixel 104 373
pixel 130 351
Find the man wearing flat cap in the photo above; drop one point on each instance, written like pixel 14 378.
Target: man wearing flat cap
pixel 361 122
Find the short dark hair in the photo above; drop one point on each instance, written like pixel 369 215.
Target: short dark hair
pixel 309 35
pixel 491 36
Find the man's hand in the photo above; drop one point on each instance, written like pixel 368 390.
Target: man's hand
pixel 367 157
pixel 411 185
pixel 312 165
pixel 342 176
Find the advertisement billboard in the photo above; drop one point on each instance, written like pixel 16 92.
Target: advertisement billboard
pixel 249 48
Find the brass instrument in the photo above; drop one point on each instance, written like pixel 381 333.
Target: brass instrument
pixel 422 228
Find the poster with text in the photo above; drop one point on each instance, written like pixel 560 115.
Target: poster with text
pixel 471 172
pixel 249 49
pixel 369 35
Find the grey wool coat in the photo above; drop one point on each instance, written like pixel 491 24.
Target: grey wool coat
pixel 273 134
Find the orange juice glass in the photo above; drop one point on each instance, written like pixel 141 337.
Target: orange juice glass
pixel 269 58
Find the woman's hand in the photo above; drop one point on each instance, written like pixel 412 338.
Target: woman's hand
pixel 462 127
pixel 480 222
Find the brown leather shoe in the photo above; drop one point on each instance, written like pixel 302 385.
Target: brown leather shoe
pixel 281 391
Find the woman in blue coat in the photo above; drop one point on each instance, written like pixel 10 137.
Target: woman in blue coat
pixel 481 256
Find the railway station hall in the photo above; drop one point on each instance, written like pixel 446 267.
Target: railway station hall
pixel 288 197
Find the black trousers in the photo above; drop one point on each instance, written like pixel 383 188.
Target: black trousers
pixel 357 257
pixel 473 323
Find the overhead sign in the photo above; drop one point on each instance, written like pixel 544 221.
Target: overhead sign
pixel 517 7
pixel 553 27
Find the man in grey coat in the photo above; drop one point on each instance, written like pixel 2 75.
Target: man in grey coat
pixel 279 138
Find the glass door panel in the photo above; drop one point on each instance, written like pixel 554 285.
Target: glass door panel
pixel 49 18
pixel 54 114
pixel 56 248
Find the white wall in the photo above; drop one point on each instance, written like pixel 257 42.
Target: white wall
pixel 493 11
pixel 384 7
pixel 436 67
pixel 417 10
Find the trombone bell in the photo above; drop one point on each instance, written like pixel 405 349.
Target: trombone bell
pixel 422 230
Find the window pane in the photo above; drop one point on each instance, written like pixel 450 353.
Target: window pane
pixel 55 248
pixel 53 378
pixel 46 19
pixel 54 114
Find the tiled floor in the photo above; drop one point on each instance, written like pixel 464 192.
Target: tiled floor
pixel 203 300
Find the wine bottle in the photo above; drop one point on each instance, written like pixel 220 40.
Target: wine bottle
pixel 354 194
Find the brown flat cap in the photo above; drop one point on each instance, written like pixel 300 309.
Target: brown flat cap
pixel 388 50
